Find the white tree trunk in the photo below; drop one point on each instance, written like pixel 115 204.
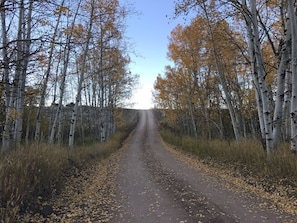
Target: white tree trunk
pixel 287 108
pixel 280 94
pixel 101 91
pixel 18 81
pixel 255 79
pixel 293 27
pixel 81 79
pixel 24 55
pixel 262 92
pixel 222 77
pixel 67 50
pixel 47 74
pixel 7 86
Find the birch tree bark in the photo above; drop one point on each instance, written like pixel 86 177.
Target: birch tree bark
pixel 81 79
pixel 280 93
pixel 66 57
pixel 263 32
pixel 7 86
pixel 101 84
pixel 24 57
pixel 222 77
pixel 47 75
pixel 15 92
pixel 293 27
pixel 262 92
pixel 19 78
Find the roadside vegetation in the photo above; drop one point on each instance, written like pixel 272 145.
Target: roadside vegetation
pixel 247 155
pixel 36 172
pixel 230 96
pixel 232 68
pixel 64 77
pixel 246 159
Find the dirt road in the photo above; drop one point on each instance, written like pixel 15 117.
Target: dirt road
pixel 154 186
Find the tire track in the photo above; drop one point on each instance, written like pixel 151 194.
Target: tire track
pixel 154 186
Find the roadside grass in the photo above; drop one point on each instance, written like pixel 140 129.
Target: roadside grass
pixel 37 172
pixel 246 159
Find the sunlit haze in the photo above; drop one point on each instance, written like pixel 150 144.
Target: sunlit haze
pixel 148 32
pixel 142 97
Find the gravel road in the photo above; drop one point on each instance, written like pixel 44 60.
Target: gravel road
pixel 154 186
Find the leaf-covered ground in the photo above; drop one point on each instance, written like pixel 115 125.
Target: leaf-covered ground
pixel 91 194
pixel 280 195
pixel 87 197
pixel 158 185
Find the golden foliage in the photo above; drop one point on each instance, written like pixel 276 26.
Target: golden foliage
pixel 62 10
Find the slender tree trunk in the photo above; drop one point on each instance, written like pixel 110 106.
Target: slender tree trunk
pixel 59 107
pixel 25 54
pixel 67 50
pixel 293 27
pixel 192 119
pixel 10 128
pixel 262 91
pixel 6 136
pixel 45 82
pixel 28 124
pixel 280 93
pixel 78 96
pixel 287 103
pixel 222 78
pixel 102 90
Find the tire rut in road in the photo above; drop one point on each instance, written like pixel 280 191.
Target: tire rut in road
pixel 199 208
pixel 156 186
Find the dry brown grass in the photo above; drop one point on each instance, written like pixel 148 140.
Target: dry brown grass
pixel 246 159
pixel 38 172
pixel 29 171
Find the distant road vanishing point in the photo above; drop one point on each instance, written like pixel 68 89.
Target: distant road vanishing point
pixel 154 186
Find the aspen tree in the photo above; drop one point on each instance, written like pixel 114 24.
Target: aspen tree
pixel 211 25
pixel 270 126
pixel 293 27
pixel 66 58
pixel 221 75
pixel 7 87
pixel 280 92
pixel 267 24
pixel 15 92
pixel 82 75
pixel 47 75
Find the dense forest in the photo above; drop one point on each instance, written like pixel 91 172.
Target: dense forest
pixel 64 70
pixel 234 74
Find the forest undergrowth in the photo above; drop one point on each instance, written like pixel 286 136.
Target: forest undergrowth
pixel 275 175
pixel 37 172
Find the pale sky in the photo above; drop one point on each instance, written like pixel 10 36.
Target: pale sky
pixel 148 32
